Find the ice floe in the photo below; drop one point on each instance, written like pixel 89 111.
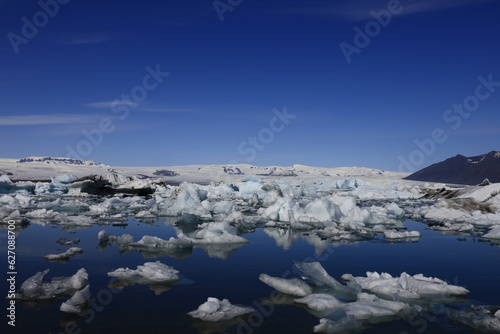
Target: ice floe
pixel 405 286
pixel 35 288
pixel 149 272
pixel 77 301
pixel 219 310
pixel 291 286
pixel 64 256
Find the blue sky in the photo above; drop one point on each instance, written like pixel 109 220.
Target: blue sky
pixel 229 79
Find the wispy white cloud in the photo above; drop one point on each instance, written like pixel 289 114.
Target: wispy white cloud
pixel 52 119
pixel 109 104
pixel 117 103
pixel 89 39
pixel 167 110
pixel 360 10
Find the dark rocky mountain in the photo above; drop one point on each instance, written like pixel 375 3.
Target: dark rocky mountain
pixel 462 170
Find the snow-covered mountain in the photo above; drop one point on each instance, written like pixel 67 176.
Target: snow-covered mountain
pixel 43 168
pixel 57 160
pixel 462 170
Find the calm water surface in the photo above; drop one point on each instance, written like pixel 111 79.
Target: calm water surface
pixel 233 274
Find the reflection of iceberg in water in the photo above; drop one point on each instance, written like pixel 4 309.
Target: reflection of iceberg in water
pixel 150 247
pixel 284 238
pixel 320 240
pixel 158 288
pixel 221 251
pixel 217 239
pixel 215 327
pixel 319 244
pixel 364 301
pixel 158 276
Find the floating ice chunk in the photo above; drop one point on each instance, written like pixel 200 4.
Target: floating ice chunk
pixel 323 210
pixel 365 307
pixel 394 210
pixel 405 286
pixel 401 235
pixel 484 322
pixel 189 201
pixel 149 242
pixel 150 272
pixel 357 218
pixel 292 286
pixel 223 207
pixel 34 288
pixel 122 240
pixel 219 310
pixel 64 256
pixel 345 203
pixel 273 192
pixel 480 193
pixel 63 241
pixel 441 211
pixel 369 306
pixel 321 302
pixel 493 234
pixel 75 303
pixel 14 215
pixel 103 236
pixel 346 324
pixel 215 233
pixel 318 274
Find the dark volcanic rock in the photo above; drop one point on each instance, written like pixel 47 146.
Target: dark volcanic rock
pixel 165 172
pixel 462 170
pixel 97 185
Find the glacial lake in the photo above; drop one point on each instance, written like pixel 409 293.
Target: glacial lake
pixel 233 274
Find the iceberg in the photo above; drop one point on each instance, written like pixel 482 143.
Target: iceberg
pixel 219 310
pixel 77 301
pixel 391 235
pixel 321 302
pixel 365 307
pixel 150 272
pixel 345 324
pixel 214 233
pixel 64 256
pixel 493 234
pixel 479 320
pixel 189 201
pixel 34 288
pixel 315 272
pixel 405 286
pixel 292 286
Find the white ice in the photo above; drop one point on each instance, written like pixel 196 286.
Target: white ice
pixel 150 272
pixel 35 288
pixel 401 235
pixel 66 255
pixel 76 302
pixel 214 233
pixel 219 310
pixel 291 286
pixel 405 286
